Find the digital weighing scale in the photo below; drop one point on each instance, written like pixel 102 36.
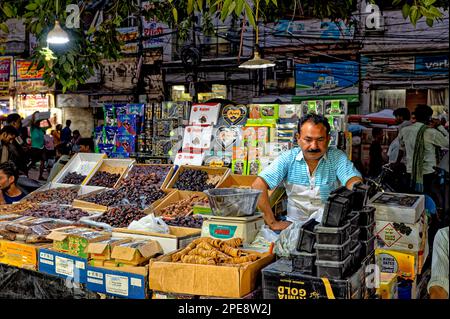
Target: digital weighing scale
pixel 224 228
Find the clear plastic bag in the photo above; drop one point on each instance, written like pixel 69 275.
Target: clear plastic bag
pixel 264 238
pixel 150 223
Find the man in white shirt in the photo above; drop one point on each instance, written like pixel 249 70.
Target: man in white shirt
pixel 421 156
pixel 438 284
pixel 402 116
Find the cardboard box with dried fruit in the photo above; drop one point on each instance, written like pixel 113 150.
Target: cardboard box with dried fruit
pixel 101 251
pixel 180 203
pixel 398 207
pixel 74 240
pixel 209 271
pixel 135 253
pixel 20 255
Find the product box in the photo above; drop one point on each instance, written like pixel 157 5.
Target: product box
pixel 178 237
pixel 312 107
pixel 74 240
pixel 102 250
pixel 288 111
pixel 254 164
pixel 197 137
pixel 125 144
pixel 205 280
pixel 62 265
pixel 20 255
pixel 249 136
pixel 281 282
pixel 269 111
pixel 388 286
pixel 398 207
pixel 405 264
pixel 127 125
pixel 239 162
pixel 206 113
pixel 401 236
pixel 121 282
pixel 134 253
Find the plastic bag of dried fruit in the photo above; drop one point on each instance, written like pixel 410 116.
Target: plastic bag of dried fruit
pixel 150 223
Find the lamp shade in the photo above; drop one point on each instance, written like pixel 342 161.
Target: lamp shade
pixel 257 63
pixel 57 35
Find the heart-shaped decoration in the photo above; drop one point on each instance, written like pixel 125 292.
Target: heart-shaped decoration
pixel 234 114
pixel 226 136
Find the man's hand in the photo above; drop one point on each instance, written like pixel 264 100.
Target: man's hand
pixel 437 292
pixel 279 225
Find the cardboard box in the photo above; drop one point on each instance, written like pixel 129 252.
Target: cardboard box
pixel 388 286
pixel 20 255
pixel 102 250
pixel 74 240
pixel 205 280
pixel 96 263
pixel 113 166
pixel 175 197
pixel 62 265
pixel 281 282
pixel 233 180
pixel 401 236
pixel 135 252
pixel 221 171
pixel 178 237
pixel 402 263
pixel 398 207
pixel 118 282
pixel 81 163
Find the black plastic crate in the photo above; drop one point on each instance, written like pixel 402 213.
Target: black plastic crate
pixel 333 269
pixel 280 281
pixel 336 210
pixel 366 232
pixel 304 262
pixel 307 237
pixel 366 216
pixel 355 253
pixel 360 195
pixel 333 252
pixel 332 235
pixel 353 219
pixel 367 247
pixel 355 235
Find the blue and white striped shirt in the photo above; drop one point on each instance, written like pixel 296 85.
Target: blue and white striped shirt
pixel 291 168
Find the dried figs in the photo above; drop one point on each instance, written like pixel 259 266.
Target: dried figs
pixel 104 179
pixel 73 178
pixel 121 216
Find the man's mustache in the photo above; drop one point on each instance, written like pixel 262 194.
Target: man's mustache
pixel 314 151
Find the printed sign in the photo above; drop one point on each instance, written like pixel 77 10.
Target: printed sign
pixel 389 235
pixel 5 74
pixel 23 74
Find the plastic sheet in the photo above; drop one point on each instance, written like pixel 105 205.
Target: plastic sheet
pixel 150 223
pixel 16 283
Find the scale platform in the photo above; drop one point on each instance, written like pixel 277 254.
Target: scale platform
pixel 225 228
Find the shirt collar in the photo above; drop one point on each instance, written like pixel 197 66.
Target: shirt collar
pixel 300 157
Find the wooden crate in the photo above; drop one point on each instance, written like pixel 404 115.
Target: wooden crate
pixel 113 166
pixel 174 197
pixel 222 171
pixel 166 179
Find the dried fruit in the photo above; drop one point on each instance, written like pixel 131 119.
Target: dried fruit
pixel 104 179
pixel 73 178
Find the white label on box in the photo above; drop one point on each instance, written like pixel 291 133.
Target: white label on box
pixel 48 262
pixel 46 256
pixel 79 264
pixel 204 114
pixel 388 263
pixel 95 274
pixel 116 284
pixel 389 235
pixel 64 266
pixel 189 159
pixel 136 282
pixel 95 281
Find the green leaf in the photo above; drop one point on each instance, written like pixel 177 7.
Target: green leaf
pixel 7 9
pixel 249 15
pixel 4 27
pixel 413 15
pixel 175 14
pixel 435 12
pixel 239 8
pixel 32 6
pixel 428 2
pixel 70 58
pixel 190 6
pixel 67 67
pixel 39 28
pixel 395 2
pixel 405 10
pixel 200 4
pixel 429 22
pixel 275 3
pixel 231 8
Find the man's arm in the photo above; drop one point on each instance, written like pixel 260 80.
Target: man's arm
pixel 438 284
pixel 441 137
pixel 346 172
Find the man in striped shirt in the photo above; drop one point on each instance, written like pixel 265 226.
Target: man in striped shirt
pixel 309 172
pixel 438 284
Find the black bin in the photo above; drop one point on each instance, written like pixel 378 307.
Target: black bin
pixel 336 210
pixel 307 237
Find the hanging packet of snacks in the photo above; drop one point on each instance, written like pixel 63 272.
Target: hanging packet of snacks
pixel 98 137
pixel 109 135
pixel 239 163
pixel 197 136
pixel 139 111
pixel 288 111
pixel 312 107
pixel 254 164
pixel 336 107
pixel 109 114
pixel 285 133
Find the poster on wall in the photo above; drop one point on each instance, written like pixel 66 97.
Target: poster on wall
pixel 326 78
pixel 157 33
pixel 126 35
pixel 120 74
pixel 25 73
pixel 5 75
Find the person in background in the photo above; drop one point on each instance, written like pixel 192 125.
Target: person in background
pixel 56 133
pixel 309 173
pixel 86 145
pixel 7 135
pixel 75 142
pixel 62 153
pixel 18 149
pixel 49 149
pixel 413 118
pixel 438 284
pixel 37 144
pixel 10 192
pixel 402 119
pixel 66 133
pixel 376 152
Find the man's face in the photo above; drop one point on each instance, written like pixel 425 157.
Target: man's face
pixel 313 140
pixel 7 138
pixel 17 124
pixel 84 149
pixel 398 120
pixel 5 181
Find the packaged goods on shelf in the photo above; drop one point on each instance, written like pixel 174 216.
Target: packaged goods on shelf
pixel 206 113
pixel 388 286
pixel 398 207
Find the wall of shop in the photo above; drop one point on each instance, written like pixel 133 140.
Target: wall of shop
pixel 82 119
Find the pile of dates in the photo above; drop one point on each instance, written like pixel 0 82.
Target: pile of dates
pixel 143 197
pixel 59 195
pixel 145 176
pixel 186 221
pixel 73 178
pixel 58 212
pixel 121 216
pixel 104 179
pixel 183 207
pixel 196 181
